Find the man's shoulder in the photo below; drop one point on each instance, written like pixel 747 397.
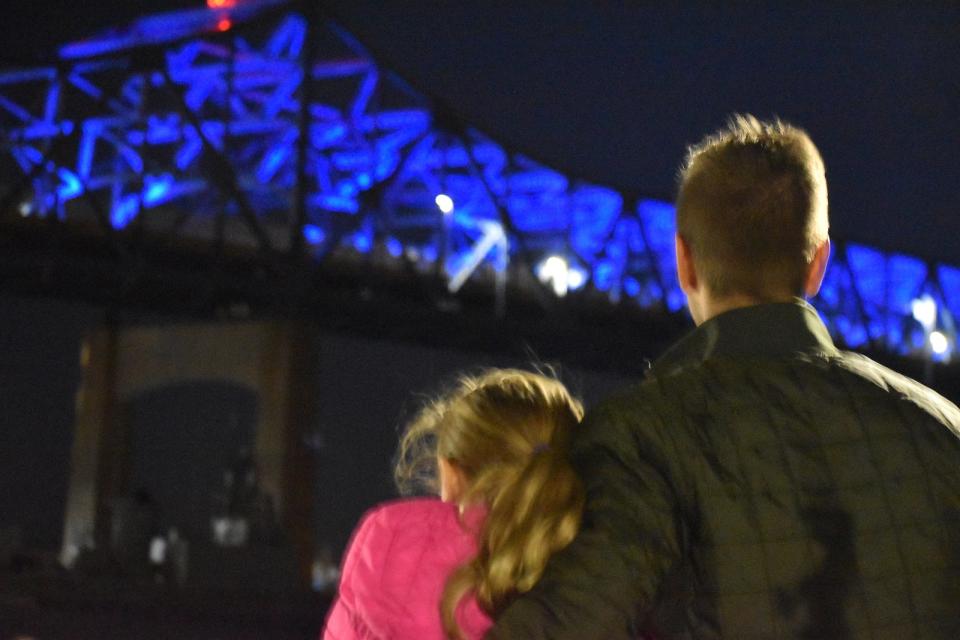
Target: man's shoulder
pixel 640 396
pixel 900 388
pixel 656 394
pixel 659 396
pixel 631 415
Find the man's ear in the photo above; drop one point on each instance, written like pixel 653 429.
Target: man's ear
pixel 817 269
pixel 686 271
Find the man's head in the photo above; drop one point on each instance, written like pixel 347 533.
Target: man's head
pixel 751 217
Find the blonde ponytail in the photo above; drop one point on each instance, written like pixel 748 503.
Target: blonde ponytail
pixel 509 431
pixel 530 519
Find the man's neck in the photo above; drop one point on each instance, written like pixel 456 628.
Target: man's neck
pixel 712 307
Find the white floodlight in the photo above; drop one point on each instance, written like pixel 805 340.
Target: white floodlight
pixel 576 278
pixel 939 343
pixel 555 272
pixel 924 311
pixel 444 203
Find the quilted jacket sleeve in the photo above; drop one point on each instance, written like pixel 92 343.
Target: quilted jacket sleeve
pixel 395 570
pixel 343 623
pixel 598 586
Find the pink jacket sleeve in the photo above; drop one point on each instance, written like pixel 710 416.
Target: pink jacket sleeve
pixel 394 573
pixel 342 623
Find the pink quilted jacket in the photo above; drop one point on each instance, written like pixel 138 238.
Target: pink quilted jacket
pixel 395 570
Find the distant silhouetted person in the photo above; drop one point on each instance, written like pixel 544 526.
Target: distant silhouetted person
pixel 134 521
pixel 495 449
pixel 243 512
pixel 760 483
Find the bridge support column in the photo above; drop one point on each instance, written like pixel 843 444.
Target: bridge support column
pixel 274 359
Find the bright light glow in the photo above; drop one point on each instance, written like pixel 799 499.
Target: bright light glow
pixel 124 211
pixel 924 311
pixel 555 272
pixel 70 187
pixel 156 189
pixel 444 203
pixel 362 242
pixel 938 342
pixel 576 278
pixel 429 253
pixel 314 234
pixel 224 25
pixel 221 4
pixel 560 275
pixel 394 247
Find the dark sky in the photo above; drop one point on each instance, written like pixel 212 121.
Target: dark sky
pixel 613 92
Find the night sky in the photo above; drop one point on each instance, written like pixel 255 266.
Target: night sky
pixel 613 92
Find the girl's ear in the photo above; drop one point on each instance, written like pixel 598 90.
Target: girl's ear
pixel 453 480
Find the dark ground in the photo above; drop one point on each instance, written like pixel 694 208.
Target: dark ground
pixel 65 607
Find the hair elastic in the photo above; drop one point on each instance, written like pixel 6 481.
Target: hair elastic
pixel 540 448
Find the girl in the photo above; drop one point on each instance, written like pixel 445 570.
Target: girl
pixel 495 450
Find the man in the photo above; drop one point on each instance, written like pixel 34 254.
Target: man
pixel 759 483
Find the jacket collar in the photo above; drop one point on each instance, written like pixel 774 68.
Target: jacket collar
pixel 763 330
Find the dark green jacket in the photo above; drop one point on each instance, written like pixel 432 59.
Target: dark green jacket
pixel 760 483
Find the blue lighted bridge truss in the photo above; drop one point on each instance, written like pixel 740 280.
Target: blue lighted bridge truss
pixel 256 126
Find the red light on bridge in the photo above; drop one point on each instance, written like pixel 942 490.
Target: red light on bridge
pixel 221 4
pixel 224 25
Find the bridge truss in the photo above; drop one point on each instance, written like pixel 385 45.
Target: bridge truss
pixel 263 129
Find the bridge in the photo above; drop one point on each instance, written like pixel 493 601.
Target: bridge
pixel 253 152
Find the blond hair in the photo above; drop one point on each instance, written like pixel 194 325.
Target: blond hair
pixel 509 431
pixel 752 208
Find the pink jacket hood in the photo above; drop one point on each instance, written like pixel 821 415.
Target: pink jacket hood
pixel 395 570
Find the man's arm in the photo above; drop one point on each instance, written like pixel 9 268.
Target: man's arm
pixel 600 585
